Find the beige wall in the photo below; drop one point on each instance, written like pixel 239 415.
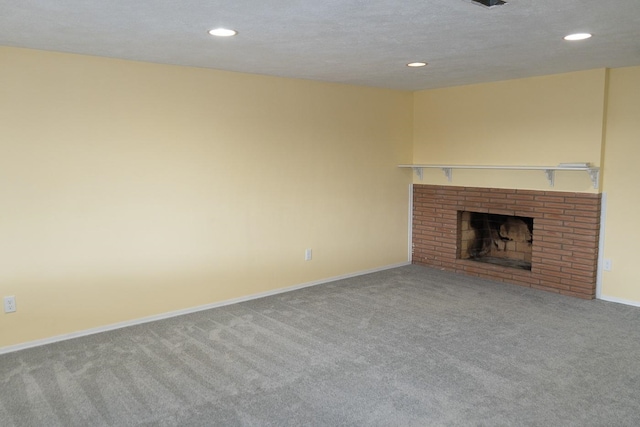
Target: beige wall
pixel 621 185
pixel 541 121
pixel 133 189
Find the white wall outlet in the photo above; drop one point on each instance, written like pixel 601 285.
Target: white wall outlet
pixel 9 304
pixel 308 255
pixel 607 265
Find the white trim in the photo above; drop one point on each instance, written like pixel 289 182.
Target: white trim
pixel 603 219
pixel 119 325
pixel 410 231
pixel 620 300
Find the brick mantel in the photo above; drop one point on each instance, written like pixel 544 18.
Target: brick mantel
pixel 565 234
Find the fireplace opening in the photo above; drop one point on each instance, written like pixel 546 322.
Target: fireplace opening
pixel 495 239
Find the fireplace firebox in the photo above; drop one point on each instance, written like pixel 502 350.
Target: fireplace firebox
pixel 504 240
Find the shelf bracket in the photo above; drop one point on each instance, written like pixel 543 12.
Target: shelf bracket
pixel 594 174
pixel 551 176
pixel 447 173
pixel 418 172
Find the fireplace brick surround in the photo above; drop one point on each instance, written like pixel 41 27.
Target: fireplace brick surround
pixel 565 234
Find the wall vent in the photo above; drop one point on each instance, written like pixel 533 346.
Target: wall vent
pixel 489 3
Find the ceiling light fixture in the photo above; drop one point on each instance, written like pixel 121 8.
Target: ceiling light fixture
pixel 577 36
pixel 223 32
pixel 416 64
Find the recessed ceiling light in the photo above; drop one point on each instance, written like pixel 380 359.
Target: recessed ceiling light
pixel 416 64
pixel 577 36
pixel 223 32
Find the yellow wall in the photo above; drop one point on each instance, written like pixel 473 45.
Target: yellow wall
pixel 541 121
pixel 621 185
pixel 133 189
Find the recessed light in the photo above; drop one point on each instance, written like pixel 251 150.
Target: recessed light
pixel 222 32
pixel 416 64
pixel 577 36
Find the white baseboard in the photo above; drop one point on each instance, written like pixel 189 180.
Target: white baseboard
pixel 620 300
pixel 119 325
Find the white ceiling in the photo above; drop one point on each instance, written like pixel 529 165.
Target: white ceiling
pixel 362 42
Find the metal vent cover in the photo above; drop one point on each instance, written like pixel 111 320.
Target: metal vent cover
pixel 489 3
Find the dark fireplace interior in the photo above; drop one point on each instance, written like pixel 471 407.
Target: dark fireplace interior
pixel 495 239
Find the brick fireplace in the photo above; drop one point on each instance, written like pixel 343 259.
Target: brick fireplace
pixel 562 238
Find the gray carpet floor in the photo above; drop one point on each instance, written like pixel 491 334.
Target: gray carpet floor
pixel 410 346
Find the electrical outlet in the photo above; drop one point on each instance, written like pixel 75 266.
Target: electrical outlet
pixel 607 265
pixel 308 255
pixel 9 304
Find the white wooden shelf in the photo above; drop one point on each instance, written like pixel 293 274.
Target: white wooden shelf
pixel 594 172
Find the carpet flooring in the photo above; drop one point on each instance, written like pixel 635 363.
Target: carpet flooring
pixel 411 346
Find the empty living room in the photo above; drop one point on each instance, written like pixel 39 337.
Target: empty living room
pixel 418 213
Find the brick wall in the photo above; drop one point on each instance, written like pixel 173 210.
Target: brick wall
pixel 565 234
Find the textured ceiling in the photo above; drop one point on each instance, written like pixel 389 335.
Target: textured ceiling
pixel 362 42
